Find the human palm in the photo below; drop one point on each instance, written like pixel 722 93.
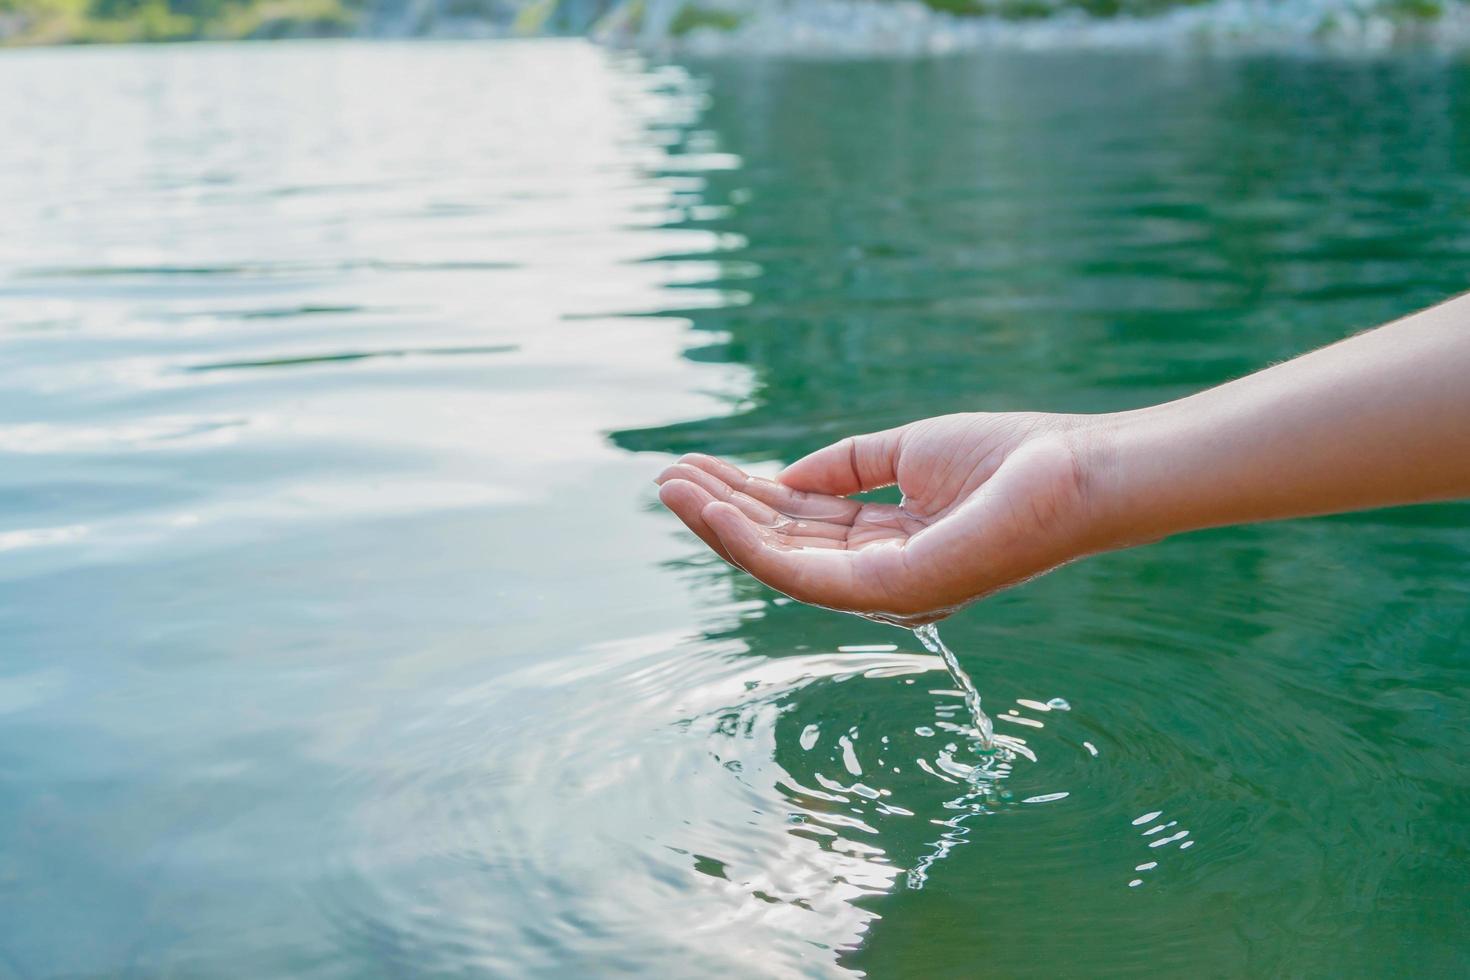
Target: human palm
pixel 988 500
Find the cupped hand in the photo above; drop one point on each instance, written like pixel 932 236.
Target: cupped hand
pixel 989 500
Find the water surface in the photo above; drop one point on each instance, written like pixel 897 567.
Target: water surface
pixel 343 635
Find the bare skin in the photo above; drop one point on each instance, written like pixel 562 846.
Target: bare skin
pixel 993 499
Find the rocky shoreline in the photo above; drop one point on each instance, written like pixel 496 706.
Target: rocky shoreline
pixel 807 28
pixel 907 27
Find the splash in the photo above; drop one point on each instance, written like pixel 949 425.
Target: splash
pixel 994 765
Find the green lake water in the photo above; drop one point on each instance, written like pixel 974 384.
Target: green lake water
pixel 341 634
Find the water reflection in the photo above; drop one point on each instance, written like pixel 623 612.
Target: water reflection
pixel 308 353
pixel 792 789
pixel 1092 234
pixel 1076 234
pixel 722 849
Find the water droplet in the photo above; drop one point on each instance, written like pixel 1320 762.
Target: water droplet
pixel 1046 798
pixel 809 736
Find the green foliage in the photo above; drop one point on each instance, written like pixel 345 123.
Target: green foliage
pixel 534 16
pixel 962 7
pixel 286 18
pixel 1038 9
pixel 1412 10
pixel 111 21
pixel 691 16
pixel 47 7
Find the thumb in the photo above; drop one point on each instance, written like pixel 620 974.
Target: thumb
pixel 857 463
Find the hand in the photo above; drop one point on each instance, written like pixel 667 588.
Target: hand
pixel 988 501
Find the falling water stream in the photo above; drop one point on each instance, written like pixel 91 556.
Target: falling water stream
pixel 994 763
pixel 984 728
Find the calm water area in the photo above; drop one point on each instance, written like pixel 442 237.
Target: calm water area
pixel 342 634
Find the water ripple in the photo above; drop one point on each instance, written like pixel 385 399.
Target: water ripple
pixel 337 357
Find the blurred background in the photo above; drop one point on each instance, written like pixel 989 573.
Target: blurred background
pixel 764 26
pixel 342 635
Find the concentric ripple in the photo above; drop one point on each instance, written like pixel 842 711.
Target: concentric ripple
pixel 730 803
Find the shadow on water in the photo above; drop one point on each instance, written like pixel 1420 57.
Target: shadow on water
pixel 1092 234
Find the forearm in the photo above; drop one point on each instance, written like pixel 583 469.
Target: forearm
pixel 1379 419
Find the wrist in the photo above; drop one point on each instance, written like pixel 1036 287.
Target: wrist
pixel 1125 499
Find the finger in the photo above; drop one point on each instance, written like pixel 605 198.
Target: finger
pixel 822 576
pixel 760 512
pixel 720 490
pixel 857 463
pixel 793 503
pixel 687 501
pixel 756 510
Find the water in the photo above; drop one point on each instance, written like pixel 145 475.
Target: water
pixel 984 728
pixel 994 762
pixel 341 633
